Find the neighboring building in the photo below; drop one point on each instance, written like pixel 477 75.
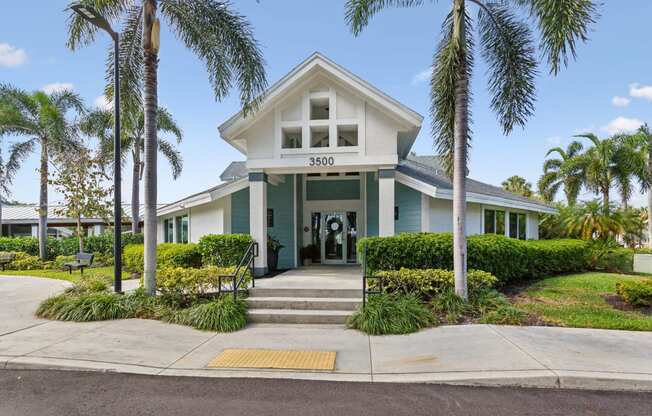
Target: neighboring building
pixel 22 221
pixel 328 161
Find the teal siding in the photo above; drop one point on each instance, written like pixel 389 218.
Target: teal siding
pixel 299 218
pixel 372 205
pixel 240 212
pixel 408 202
pixel 317 190
pixel 280 199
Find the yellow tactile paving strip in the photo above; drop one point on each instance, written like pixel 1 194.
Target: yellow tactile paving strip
pixel 277 359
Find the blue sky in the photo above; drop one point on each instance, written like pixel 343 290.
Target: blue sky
pixel 608 88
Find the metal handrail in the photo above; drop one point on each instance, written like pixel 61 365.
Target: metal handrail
pixel 246 262
pixel 365 277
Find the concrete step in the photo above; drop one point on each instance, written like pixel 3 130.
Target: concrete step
pixel 277 302
pixel 296 316
pixel 304 293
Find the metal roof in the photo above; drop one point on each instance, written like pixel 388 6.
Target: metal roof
pixel 28 213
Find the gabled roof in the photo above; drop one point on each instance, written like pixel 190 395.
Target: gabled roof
pixel 235 170
pixel 429 170
pixel 318 62
pixel 28 213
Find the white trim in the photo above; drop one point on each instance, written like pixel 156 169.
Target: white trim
pixel 204 197
pixel 294 221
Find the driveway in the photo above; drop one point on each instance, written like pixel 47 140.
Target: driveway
pixel 468 354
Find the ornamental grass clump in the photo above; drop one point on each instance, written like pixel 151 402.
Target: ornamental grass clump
pixel 224 314
pixel 95 306
pixel 392 314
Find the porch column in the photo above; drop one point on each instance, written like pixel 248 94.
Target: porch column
pixel 258 218
pixel 385 202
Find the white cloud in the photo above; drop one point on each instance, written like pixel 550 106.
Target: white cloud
pixel 641 91
pixel 11 56
pixel 620 101
pixel 622 125
pixel 422 76
pixel 57 87
pixel 102 103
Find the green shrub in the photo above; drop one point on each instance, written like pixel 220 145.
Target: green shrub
pixel 427 283
pixel 59 261
pixel 450 307
pixel 93 306
pixel 29 245
pixel 224 314
pixel 635 292
pixel 506 258
pixel 618 260
pixel 102 243
pixel 90 283
pixel 167 255
pixel 189 283
pixel 223 250
pixel 24 261
pixel 391 314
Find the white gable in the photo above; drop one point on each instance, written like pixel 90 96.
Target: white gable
pixel 320 114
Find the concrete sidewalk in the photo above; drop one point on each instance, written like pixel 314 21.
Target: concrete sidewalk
pixel 468 354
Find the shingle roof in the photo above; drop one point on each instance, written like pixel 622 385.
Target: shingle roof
pixel 26 213
pixel 236 170
pixel 429 169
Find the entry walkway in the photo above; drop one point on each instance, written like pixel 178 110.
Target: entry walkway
pixel 315 277
pixel 465 354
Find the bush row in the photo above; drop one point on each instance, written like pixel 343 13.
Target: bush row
pixel 506 258
pixel 102 244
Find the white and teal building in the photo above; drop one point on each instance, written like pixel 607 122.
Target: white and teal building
pixel 327 162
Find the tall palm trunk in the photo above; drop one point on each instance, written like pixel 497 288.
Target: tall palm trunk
pixel 43 202
pixel 461 127
pixel 151 104
pixel 135 190
pixel 80 236
pixel 605 200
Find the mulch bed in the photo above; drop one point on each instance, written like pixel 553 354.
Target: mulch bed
pixel 617 303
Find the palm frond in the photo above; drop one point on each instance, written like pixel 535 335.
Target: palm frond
pixel 172 155
pixel 359 12
pixel 562 25
pixel 165 123
pixel 224 40
pixel 80 31
pixel 130 58
pixel 18 152
pixel 445 75
pixel 506 45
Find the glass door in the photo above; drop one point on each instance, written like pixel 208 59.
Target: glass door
pixel 334 237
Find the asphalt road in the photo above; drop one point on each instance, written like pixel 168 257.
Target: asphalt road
pixel 86 393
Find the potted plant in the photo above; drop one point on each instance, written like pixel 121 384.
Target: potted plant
pixel 306 255
pixel 273 248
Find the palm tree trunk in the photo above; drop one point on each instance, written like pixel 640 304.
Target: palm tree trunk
pixel 461 127
pixel 605 201
pixel 80 237
pixel 43 202
pixel 135 190
pixel 151 104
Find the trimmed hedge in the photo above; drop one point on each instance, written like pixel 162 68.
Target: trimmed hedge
pixel 506 258
pixel 427 283
pixel 635 292
pixel 190 283
pixel 167 255
pixel 223 250
pixel 67 246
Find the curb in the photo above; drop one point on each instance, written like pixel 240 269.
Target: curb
pixel 562 379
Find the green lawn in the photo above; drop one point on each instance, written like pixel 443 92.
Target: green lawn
pixel 64 275
pixel 578 301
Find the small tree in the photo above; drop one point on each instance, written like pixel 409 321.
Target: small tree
pixel 518 185
pixel 80 179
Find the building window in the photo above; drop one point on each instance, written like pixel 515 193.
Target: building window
pixel 292 138
pixel 517 225
pixel 347 135
pixel 494 222
pixel 182 229
pixel 270 218
pixel 319 136
pixel 168 231
pixel 395 213
pixel 319 109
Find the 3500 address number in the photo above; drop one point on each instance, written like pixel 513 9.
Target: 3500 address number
pixel 321 161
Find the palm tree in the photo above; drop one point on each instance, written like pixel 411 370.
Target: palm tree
pixel 610 162
pixel 518 185
pixel 42 119
pixel 590 220
pixel 99 124
pixel 507 44
pixel 220 37
pixel 557 174
pixel 643 141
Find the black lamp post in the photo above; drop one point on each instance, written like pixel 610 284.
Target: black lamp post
pixel 91 15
